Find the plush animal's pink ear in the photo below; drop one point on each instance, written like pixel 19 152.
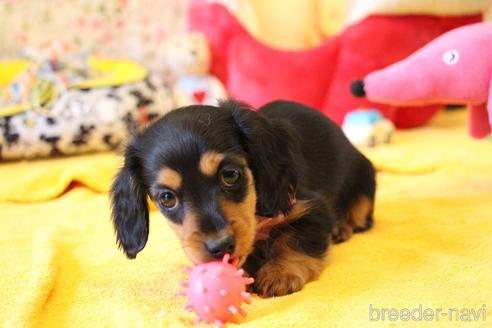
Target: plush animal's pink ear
pixel 479 126
pixel 489 106
pixel 481 117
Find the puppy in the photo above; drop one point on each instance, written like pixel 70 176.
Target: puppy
pixel 272 187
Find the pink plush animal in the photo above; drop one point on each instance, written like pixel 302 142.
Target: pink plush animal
pixel 455 68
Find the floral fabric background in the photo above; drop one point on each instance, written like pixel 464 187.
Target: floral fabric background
pixel 132 29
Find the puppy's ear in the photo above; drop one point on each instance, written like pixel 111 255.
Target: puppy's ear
pixel 270 148
pixel 130 211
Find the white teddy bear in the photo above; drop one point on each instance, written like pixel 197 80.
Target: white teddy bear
pixel 187 57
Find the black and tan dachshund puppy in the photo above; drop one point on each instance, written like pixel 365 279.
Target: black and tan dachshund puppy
pixel 271 187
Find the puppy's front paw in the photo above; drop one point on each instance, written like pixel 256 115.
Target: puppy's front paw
pixel 275 280
pixel 341 234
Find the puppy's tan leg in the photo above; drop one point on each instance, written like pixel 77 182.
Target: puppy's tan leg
pixel 288 270
pixel 360 214
pixel 359 218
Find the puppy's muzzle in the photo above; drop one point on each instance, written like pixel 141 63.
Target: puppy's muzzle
pixel 218 247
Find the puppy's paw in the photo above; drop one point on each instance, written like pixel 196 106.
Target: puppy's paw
pixel 341 234
pixel 275 280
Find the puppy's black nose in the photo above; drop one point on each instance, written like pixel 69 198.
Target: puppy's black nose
pixel 357 88
pixel 218 247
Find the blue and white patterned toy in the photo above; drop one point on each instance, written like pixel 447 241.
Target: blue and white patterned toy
pixel 367 127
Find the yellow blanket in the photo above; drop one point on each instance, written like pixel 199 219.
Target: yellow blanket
pixel 431 247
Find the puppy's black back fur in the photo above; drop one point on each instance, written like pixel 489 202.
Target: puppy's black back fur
pixel 326 161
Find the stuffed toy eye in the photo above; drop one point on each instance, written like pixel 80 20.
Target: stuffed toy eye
pixel 451 57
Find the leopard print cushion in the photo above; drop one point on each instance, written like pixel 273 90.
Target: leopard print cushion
pixel 84 120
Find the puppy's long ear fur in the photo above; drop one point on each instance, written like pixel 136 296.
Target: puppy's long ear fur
pixel 130 211
pixel 270 149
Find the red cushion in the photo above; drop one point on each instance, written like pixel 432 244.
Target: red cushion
pixel 319 77
pixel 258 74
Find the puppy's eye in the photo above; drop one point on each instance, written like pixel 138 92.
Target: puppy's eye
pixel 168 199
pixel 229 177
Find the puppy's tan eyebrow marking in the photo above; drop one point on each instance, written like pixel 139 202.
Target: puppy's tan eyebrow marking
pixel 209 162
pixel 170 178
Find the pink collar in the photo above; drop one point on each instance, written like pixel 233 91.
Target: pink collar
pixel 265 223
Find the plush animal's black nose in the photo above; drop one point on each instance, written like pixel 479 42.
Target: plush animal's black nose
pixel 357 88
pixel 218 247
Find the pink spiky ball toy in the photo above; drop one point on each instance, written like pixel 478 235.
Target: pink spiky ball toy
pixel 216 291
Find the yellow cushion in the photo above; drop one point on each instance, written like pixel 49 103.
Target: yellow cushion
pixel 108 72
pixel 286 24
pixel 113 72
pixel 9 69
pixel 359 9
pixel 297 24
pixel 332 16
